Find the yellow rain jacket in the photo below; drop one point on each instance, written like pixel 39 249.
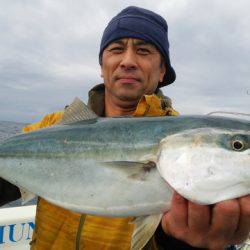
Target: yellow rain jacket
pixel 60 229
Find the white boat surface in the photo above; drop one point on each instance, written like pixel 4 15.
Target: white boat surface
pixel 16 227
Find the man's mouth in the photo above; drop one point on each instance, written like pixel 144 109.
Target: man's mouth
pixel 128 79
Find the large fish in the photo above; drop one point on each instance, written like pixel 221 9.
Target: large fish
pixel 129 166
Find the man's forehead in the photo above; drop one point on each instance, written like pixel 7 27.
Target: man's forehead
pixel 134 41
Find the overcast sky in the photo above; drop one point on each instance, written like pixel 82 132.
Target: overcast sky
pixel 49 53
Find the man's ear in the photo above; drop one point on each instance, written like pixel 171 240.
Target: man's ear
pixel 101 72
pixel 162 72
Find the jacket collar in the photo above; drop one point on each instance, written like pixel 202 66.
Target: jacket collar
pixel 97 104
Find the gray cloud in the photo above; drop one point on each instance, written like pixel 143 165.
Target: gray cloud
pixel 49 53
pixel 211 56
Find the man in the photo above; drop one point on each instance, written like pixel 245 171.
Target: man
pixel 134 59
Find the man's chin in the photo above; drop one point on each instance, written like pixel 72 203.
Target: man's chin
pixel 127 93
pixel 130 96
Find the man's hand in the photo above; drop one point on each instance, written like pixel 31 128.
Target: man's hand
pixel 211 227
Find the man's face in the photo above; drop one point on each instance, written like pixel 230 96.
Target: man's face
pixel 131 68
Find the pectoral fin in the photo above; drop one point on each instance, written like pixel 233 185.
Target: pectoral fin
pixel 133 170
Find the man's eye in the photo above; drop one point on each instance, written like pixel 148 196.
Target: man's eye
pixel 143 51
pixel 116 49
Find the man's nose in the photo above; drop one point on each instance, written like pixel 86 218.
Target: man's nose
pixel 129 59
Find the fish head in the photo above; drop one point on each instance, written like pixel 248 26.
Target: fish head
pixel 206 165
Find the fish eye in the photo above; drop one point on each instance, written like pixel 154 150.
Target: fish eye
pixel 238 145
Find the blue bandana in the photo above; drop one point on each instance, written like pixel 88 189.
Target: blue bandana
pixel 139 23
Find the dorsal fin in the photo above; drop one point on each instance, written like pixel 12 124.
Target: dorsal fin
pixel 77 111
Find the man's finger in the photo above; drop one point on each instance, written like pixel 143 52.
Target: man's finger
pixel 179 211
pixel 243 229
pixel 225 219
pixel 175 221
pixel 198 218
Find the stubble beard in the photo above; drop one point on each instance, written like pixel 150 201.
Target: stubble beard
pixel 129 95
